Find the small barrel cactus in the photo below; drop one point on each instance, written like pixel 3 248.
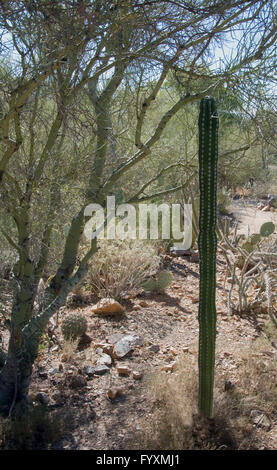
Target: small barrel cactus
pixel 74 326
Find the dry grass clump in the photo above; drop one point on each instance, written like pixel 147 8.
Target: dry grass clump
pixel 258 377
pixel 120 266
pixel 69 349
pixel 174 423
pixel 243 413
pixel 36 429
pixel 173 401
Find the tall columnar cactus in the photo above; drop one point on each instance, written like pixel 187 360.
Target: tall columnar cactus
pixel 207 243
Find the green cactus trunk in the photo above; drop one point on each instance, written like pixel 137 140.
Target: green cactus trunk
pixel 207 243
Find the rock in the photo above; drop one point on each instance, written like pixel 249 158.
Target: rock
pixel 114 338
pixel 185 350
pixel 125 345
pixel 169 367
pixel 101 369
pixel 154 348
pixel 104 359
pixel 53 371
pixel 114 392
pixel 107 306
pixel 89 371
pixel 43 398
pixel 142 303
pixel 123 370
pixel 137 375
pixel 260 419
pixel 77 381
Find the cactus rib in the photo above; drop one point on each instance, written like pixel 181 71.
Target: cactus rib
pixel 207 243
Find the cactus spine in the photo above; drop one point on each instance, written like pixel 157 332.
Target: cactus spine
pixel 207 243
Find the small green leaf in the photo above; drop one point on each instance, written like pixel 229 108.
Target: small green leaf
pixel 248 247
pixel 267 229
pixel 255 238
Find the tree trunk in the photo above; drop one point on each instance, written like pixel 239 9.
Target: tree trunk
pixel 15 378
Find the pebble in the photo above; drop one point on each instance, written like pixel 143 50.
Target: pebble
pixel 43 398
pixel 137 375
pixel 123 370
pixel 112 393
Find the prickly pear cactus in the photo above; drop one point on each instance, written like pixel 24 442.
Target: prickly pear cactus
pixel 74 326
pixel 164 279
pixel 207 243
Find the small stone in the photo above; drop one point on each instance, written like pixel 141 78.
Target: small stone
pixel 89 371
pixel 185 350
pixel 53 371
pixel 126 345
pixel 142 303
pixel 107 306
pixel 43 398
pixel 101 369
pixel 112 393
pixel 169 367
pixel 123 370
pixel 137 375
pixel 155 348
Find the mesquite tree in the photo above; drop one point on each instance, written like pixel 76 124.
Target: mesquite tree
pixel 63 63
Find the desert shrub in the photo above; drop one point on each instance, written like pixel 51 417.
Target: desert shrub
pixel 36 429
pixel 120 266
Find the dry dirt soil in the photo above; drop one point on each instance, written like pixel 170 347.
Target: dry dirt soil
pixel 168 326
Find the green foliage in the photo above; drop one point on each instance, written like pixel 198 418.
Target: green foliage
pixel 74 326
pixel 267 229
pixel 253 241
pixel 163 280
pixel 207 242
